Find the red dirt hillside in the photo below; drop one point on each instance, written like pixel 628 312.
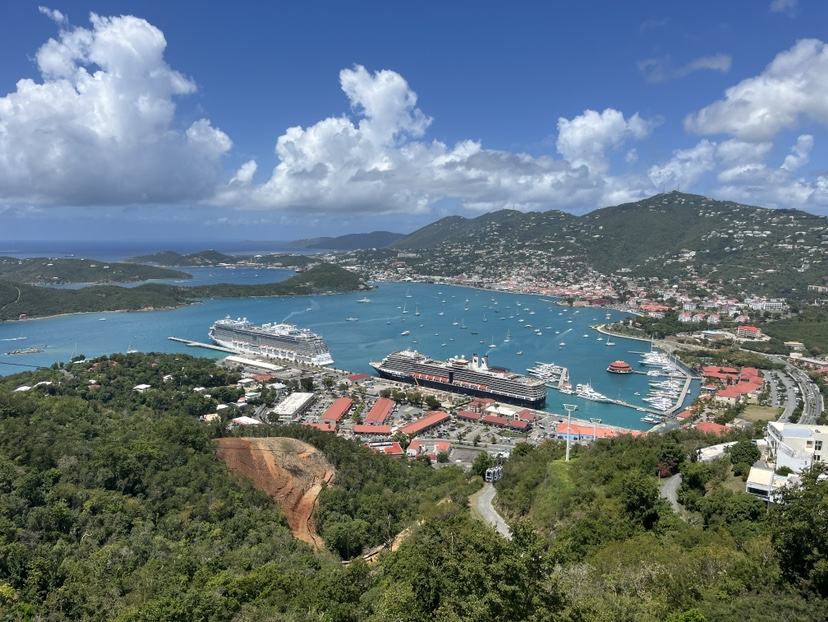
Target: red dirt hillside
pixel 288 470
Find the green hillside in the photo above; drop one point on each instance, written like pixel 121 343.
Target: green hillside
pixel 18 300
pixel 765 251
pixel 51 271
pixel 171 258
pixel 114 506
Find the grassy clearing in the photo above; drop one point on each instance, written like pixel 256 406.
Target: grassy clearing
pixel 755 413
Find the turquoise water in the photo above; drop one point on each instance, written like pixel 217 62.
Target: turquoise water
pixel 494 317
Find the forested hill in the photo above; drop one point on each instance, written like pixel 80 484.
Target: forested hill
pixel 672 234
pixel 52 271
pixel 18 300
pixel 350 242
pixel 114 506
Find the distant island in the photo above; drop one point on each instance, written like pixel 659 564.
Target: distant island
pixel 21 301
pixel 59 271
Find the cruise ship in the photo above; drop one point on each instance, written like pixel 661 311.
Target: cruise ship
pixel 461 375
pixel 279 341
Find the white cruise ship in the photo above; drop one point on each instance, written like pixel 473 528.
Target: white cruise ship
pixel 279 341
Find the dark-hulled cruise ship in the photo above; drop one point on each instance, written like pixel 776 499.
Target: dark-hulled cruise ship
pixel 279 341
pixel 460 375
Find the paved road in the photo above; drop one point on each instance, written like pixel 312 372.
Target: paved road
pixel 489 514
pixel 669 491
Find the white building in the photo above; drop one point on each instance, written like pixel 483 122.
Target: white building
pixel 293 406
pixel 797 446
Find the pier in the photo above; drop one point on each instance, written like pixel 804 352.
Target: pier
pixel 199 344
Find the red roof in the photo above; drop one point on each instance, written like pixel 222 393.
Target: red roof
pixel 325 427
pixel 519 425
pixel 708 427
pixel 379 411
pixel 392 449
pixel 338 409
pixel 729 392
pixel 468 415
pixel 750 372
pixel 524 415
pixel 495 420
pixel 384 430
pixel 432 419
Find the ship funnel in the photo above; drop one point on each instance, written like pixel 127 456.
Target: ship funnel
pixel 474 361
pixel 485 362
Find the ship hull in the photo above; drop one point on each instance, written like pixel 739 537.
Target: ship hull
pixel 501 386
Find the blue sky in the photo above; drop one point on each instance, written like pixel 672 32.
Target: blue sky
pixel 275 121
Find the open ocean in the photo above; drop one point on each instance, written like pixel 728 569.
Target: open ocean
pixel 491 318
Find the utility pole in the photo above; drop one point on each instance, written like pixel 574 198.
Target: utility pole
pixel 569 408
pixel 595 422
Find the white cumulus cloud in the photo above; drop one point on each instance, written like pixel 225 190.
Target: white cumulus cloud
pixel 790 91
pixel 380 162
pixel 99 129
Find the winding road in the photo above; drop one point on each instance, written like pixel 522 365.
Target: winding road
pixel 489 514
pixel 669 491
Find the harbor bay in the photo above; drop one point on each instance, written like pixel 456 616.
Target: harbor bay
pixel 514 330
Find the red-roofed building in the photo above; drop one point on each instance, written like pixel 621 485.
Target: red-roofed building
pixel 467 415
pixel 684 416
pixel 728 396
pixel 708 427
pixel 500 422
pixel 583 432
pixel 377 430
pixel 392 449
pixel 518 425
pixel 324 427
pixel 524 415
pixel 749 332
pixel 480 404
pixel 379 411
pixel 750 372
pixel 337 410
pixel 429 448
pixel 431 420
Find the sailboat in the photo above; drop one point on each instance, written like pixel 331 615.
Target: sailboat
pixel 463 325
pixel 508 336
pixel 408 293
pixel 417 309
pixel 484 318
pixel 493 344
pixel 405 311
pixel 610 342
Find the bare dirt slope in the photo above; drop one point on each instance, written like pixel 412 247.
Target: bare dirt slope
pixel 288 470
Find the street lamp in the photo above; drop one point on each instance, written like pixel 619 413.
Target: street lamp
pixel 595 422
pixel 569 408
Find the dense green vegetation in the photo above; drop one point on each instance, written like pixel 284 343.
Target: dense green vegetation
pixel 113 506
pixel 621 553
pixel 215 258
pixel 809 326
pixel 51 271
pixel 743 249
pixel 349 242
pixel 17 299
